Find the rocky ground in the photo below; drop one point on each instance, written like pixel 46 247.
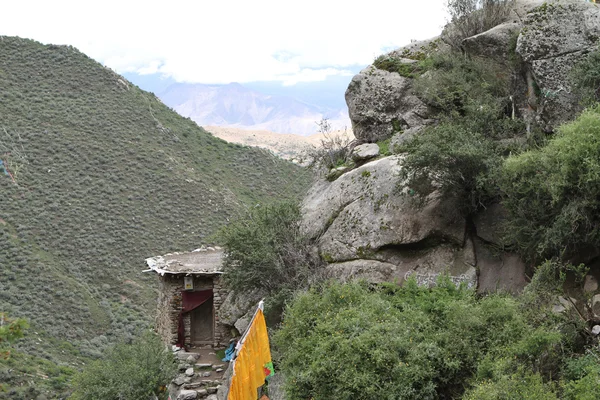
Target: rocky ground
pixel 200 375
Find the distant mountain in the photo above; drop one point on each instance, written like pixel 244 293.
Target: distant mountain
pixel 234 105
pixel 287 146
pixel 96 176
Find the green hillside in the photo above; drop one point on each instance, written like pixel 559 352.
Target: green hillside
pixel 97 175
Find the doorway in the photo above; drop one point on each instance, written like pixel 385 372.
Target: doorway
pixel 203 321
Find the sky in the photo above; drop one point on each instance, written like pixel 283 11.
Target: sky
pixel 222 41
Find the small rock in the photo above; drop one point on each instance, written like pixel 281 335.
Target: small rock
pixel 182 366
pixel 191 359
pixel 591 284
pixel 175 348
pixel 187 395
pixel 189 372
pixel 194 385
pixel 365 151
pixel 219 366
pixel 204 366
pixel 596 330
pixel 558 308
pixel 219 370
pixel 181 379
pixel 202 392
pixel 212 397
pixel 182 355
pixel 596 304
pixel 212 390
pixel 206 374
pixel 566 303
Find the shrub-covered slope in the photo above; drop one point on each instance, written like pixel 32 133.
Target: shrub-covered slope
pixel 96 175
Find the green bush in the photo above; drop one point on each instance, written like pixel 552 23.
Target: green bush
pixel 470 17
pixel 133 371
pixel 552 194
pixel 355 342
pixel 586 78
pixel 464 151
pixel 459 161
pixel 458 85
pixel 407 69
pixel 582 377
pixel 519 386
pixel 265 250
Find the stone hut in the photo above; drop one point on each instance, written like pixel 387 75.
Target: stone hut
pixel 190 295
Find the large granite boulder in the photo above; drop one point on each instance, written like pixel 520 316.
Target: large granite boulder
pixel 381 103
pixel 555 36
pixel 495 43
pixel 369 209
pixel 368 226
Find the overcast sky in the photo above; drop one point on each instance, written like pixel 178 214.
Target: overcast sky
pixel 222 41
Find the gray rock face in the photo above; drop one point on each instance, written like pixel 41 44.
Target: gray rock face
pixel 223 390
pixel 590 284
pixel 488 222
pixel 499 270
pixel 365 210
pixel 596 304
pixel 369 270
pixel 236 306
pixel 276 391
pixel 365 151
pixel 494 43
pixel 381 103
pixel 555 36
pixel 242 323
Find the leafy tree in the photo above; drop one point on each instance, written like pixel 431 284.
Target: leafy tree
pixel 359 341
pixel 460 162
pixel 265 250
pixel 133 371
pixel 553 193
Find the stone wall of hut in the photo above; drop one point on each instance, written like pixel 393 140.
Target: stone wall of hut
pixel 170 305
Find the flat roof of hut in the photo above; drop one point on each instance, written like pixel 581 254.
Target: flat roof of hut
pixel 203 261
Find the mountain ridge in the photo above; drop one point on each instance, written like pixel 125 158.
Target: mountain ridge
pixel 105 175
pixel 234 105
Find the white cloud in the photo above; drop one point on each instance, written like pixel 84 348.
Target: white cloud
pixel 224 41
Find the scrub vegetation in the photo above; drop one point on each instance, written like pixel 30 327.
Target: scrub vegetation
pixel 97 175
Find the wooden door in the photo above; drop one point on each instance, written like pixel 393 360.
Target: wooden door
pixel 203 322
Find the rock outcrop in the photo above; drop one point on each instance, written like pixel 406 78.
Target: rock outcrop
pixel 381 103
pixel 555 36
pixel 366 223
pixel 368 226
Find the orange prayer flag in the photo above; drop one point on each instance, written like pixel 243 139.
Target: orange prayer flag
pixel 253 363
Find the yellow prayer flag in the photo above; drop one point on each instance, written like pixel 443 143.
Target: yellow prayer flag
pixel 253 363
